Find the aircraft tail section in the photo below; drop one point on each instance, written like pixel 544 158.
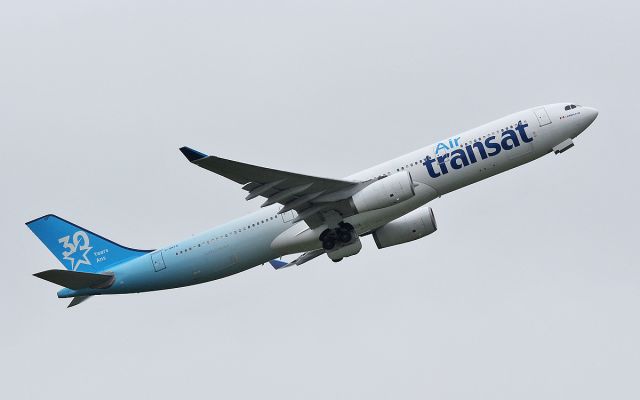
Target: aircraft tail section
pixel 79 249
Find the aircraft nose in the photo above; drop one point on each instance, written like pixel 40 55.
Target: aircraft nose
pixel 591 114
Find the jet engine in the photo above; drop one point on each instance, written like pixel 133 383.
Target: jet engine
pixel 412 226
pixel 385 192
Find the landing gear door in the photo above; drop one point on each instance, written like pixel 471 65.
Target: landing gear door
pixel 158 261
pixel 542 116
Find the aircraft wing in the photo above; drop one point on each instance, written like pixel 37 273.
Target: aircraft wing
pixel 308 256
pixel 310 196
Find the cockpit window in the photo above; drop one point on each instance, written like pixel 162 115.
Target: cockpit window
pixel 569 107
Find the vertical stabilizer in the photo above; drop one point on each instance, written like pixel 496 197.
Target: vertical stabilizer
pixel 79 249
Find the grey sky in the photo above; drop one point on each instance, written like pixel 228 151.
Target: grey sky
pixel 530 289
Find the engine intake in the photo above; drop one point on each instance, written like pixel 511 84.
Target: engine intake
pixel 414 225
pixel 384 192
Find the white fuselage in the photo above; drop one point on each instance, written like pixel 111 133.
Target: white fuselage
pixel 436 170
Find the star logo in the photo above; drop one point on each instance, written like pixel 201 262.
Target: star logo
pixel 79 243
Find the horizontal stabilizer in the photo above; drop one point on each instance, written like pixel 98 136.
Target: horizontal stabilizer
pixel 77 300
pixel 76 280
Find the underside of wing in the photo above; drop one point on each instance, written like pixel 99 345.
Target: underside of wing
pixel 309 196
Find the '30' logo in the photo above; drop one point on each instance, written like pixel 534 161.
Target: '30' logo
pixel 72 245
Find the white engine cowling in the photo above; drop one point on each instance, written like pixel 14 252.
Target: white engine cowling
pixel 418 223
pixel 384 193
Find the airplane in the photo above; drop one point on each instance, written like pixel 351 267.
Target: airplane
pixel 309 215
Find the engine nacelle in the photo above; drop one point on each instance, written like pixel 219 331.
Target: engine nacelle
pixel 418 223
pixel 384 193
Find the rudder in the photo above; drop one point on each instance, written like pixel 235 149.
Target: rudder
pixel 79 249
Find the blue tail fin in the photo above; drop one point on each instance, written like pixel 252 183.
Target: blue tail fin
pixel 79 249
